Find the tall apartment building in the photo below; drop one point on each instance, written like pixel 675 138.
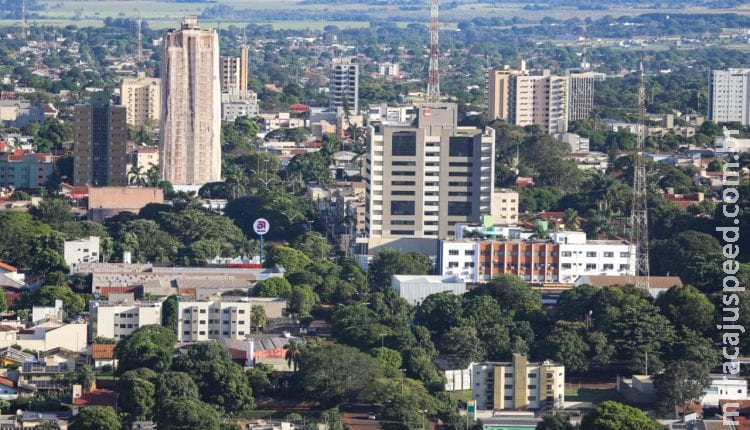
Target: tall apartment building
pixel 581 94
pixel 539 100
pixel 729 96
pixel 118 318
pixel 234 72
pixel 562 259
pixel 425 177
pixel 100 148
pixel 189 134
pixel 518 385
pixel 343 85
pixel 141 97
pixel 201 320
pixel 498 91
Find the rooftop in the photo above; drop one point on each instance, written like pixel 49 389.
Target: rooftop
pixel 425 279
pixel 655 282
pixel 103 351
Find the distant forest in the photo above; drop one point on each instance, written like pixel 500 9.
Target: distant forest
pixel 551 4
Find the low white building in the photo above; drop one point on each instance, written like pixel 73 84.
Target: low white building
pixel 415 288
pixel 581 257
pixel 201 320
pixel 40 314
pixel 724 387
pixel 81 251
pixel 45 336
pixel 121 316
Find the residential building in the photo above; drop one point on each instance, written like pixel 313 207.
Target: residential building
pixel 656 284
pixel 190 129
pixel 581 94
pixel 234 72
pixel 141 97
pixel 729 96
pixel 343 85
pixel 25 170
pixel 563 258
pixel 46 373
pixel 499 91
pixel 103 355
pixel 426 177
pixel 518 385
pixel 82 251
pixel 100 148
pixel 383 112
pixel 577 143
pixel 201 320
pixel 415 288
pixel 19 113
pixel 41 314
pixel 46 335
pixel 121 316
pixel 391 70
pixel 539 100
pixel 144 157
pixel 505 207
pixel 235 105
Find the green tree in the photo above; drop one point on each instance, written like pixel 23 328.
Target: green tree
pixel 52 211
pixel 640 330
pixel 566 345
pixel 47 294
pixel 257 377
pixel 312 244
pixel 136 394
pixel 258 317
pixel 96 418
pixel 692 256
pixel 294 350
pixel 440 312
pixel 462 346
pixel 302 300
pixel 686 307
pixel 555 422
pixel 390 361
pixel 273 287
pixel 174 385
pixel 292 260
pixel 681 384
pixel 389 262
pixel 309 167
pixel 611 415
pixel 334 373
pixel 151 346
pixel 169 312
pixel 186 413
pixel 511 293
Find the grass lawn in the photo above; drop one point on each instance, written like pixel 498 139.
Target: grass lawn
pixel 463 396
pixel 595 396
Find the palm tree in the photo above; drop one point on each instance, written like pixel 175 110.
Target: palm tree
pixel 258 317
pixel 235 182
pixel 136 176
pixel 153 176
pixel 571 220
pixel 293 353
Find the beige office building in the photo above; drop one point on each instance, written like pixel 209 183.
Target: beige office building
pixel 189 135
pixel 498 91
pixel 119 317
pixel 518 385
pixel 540 100
pixel 425 177
pixel 201 320
pixel 141 97
pixel 234 73
pixel 100 147
pixel 581 95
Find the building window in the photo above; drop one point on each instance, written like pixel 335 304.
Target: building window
pixel 402 222
pixel 508 398
pixel 402 232
pixel 532 387
pixel 609 254
pixel 591 254
pixel 469 252
pixel 508 386
pixel 624 254
pixel 402 193
pixel 453 252
pixel 461 146
pixel 508 375
pixel 591 266
pixel 242 311
pixel 608 267
pixel 402 207
pixel 459 208
pixel 404 143
pixel 565 254
pixel 532 398
pixel 532 375
pixel 452 264
pixel 565 265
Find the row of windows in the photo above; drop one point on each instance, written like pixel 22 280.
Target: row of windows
pixel 594 254
pixel 241 322
pixel 212 332
pixel 214 311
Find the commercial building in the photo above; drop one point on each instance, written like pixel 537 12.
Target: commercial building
pixel 25 170
pixel 225 318
pixel 581 94
pixel 424 178
pixel 234 71
pixel 729 96
pixel 563 258
pixel 415 288
pixel 141 97
pixel 190 130
pixel 235 105
pixel 100 148
pixel 19 112
pixel 499 91
pixel 518 385
pixel 121 316
pixel 343 85
pixel 539 100
pixel 82 251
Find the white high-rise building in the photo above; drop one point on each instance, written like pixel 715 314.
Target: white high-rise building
pixel 729 96
pixel 189 135
pixel 343 85
pixel 581 94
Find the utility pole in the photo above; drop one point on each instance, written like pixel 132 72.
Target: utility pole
pixel 433 79
pixel 639 217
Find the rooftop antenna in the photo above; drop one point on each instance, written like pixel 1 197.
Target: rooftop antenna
pixel 433 80
pixel 639 228
pixel 23 20
pixel 585 54
pixel 140 38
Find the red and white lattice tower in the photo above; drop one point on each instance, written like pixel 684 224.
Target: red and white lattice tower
pixel 433 79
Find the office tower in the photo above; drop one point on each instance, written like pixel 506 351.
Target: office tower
pixel 189 135
pixel 141 97
pixel 234 73
pixel 581 100
pixel 425 177
pixel 539 100
pixel 100 148
pixel 343 85
pixel 498 91
pixel 728 96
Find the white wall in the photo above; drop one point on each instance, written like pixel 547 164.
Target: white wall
pixel 82 251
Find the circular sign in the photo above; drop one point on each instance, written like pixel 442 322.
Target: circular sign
pixel 261 226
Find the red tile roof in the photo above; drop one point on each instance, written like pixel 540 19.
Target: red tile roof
pixel 103 351
pixel 7 382
pixel 97 398
pixel 7 267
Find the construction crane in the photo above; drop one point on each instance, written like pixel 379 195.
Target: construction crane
pixel 639 217
pixel 433 79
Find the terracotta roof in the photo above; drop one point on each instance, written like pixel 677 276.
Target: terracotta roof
pixel 7 382
pixel 7 267
pixel 103 351
pixel 97 398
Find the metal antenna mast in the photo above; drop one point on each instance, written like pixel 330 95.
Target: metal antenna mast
pixel 433 80
pixel 23 20
pixel 639 228
pixel 140 38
